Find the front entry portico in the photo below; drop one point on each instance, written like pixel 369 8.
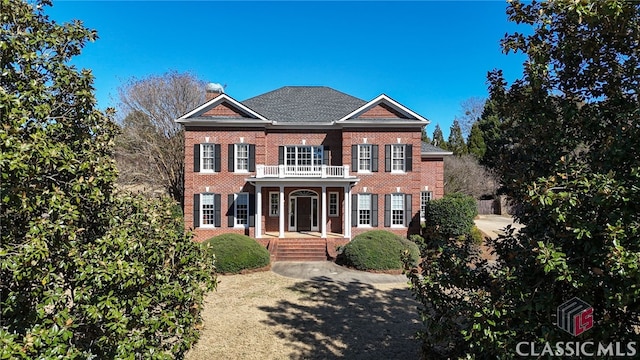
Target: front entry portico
pixel 303 205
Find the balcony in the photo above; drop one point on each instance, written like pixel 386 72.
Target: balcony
pixel 302 171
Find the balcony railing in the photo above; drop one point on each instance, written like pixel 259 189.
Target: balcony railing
pixel 311 171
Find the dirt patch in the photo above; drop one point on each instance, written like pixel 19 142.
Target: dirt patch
pixel 267 316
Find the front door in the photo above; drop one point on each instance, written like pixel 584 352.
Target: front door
pixel 303 213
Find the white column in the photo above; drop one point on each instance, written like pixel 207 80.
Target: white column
pixel 258 227
pixel 323 224
pixel 347 212
pixel 281 211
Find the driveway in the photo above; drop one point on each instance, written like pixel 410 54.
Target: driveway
pixel 493 225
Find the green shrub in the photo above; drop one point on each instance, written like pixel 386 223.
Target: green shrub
pixel 476 236
pixel 420 242
pixel 377 250
pixel 452 216
pixel 235 252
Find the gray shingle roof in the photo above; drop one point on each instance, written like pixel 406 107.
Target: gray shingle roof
pixel 428 148
pixel 304 104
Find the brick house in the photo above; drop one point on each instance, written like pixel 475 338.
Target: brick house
pixel 306 162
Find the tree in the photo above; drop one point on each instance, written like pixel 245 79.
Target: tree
pixel 85 273
pixel 151 145
pixel 471 109
pixel 438 138
pixel 425 136
pixel 475 142
pixel 567 154
pixel 463 174
pixel 456 143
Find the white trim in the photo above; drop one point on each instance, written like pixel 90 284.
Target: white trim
pixel 217 101
pixel 258 217
pixel 235 210
pixel 337 194
pixel 370 210
pixel 402 196
pixel 293 208
pixel 201 212
pixel 370 146
pixel 235 158
pixel 404 158
pixel 202 169
pixel 382 98
pixel 278 204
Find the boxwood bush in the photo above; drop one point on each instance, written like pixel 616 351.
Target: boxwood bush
pixel 235 253
pixel 377 250
pixel 450 216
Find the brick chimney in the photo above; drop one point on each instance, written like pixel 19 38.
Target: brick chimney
pixel 213 91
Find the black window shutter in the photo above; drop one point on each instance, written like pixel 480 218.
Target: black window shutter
pixel 354 157
pixel 217 207
pixel 407 210
pixel 252 210
pixel 231 157
pixel 374 158
pixel 280 155
pixel 387 210
pixel 196 210
pixel 374 210
pixel 231 211
pixel 354 210
pixel 252 157
pixel 408 156
pixel 216 161
pixel 387 158
pixel 196 157
pixel 326 156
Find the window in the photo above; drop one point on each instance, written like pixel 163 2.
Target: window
pixel 242 210
pixel 207 210
pixel 207 157
pixel 304 155
pixel 274 204
pixel 364 209
pixel 425 197
pixel 397 209
pixel 364 158
pixel 397 158
pixel 242 157
pixel 333 204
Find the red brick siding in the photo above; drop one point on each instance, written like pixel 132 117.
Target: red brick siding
pixel 424 172
pixel 223 110
pixel 381 111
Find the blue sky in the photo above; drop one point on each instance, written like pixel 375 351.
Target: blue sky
pixel 429 56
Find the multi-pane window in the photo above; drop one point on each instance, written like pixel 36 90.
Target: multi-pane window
pixel 207 157
pixel 242 209
pixel 304 155
pixel 364 157
pixel 425 197
pixel 333 204
pixel 397 157
pixel 274 204
pixel 242 157
pixel 207 209
pixel 397 209
pixel 364 209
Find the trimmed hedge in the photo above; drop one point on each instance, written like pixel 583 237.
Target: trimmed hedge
pixel 235 253
pixel 377 250
pixel 451 216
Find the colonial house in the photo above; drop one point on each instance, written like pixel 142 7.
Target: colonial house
pixel 307 163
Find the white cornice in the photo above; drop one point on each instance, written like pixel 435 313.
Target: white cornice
pixel 382 98
pixel 217 101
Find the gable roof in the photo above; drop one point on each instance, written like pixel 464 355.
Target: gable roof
pixel 408 116
pixel 199 113
pixel 427 150
pixel 304 104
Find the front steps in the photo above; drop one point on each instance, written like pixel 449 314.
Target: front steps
pixel 309 249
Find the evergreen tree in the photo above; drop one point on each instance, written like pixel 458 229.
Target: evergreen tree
pixel 475 143
pixel 425 136
pixel 456 142
pixel 566 151
pixel 438 138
